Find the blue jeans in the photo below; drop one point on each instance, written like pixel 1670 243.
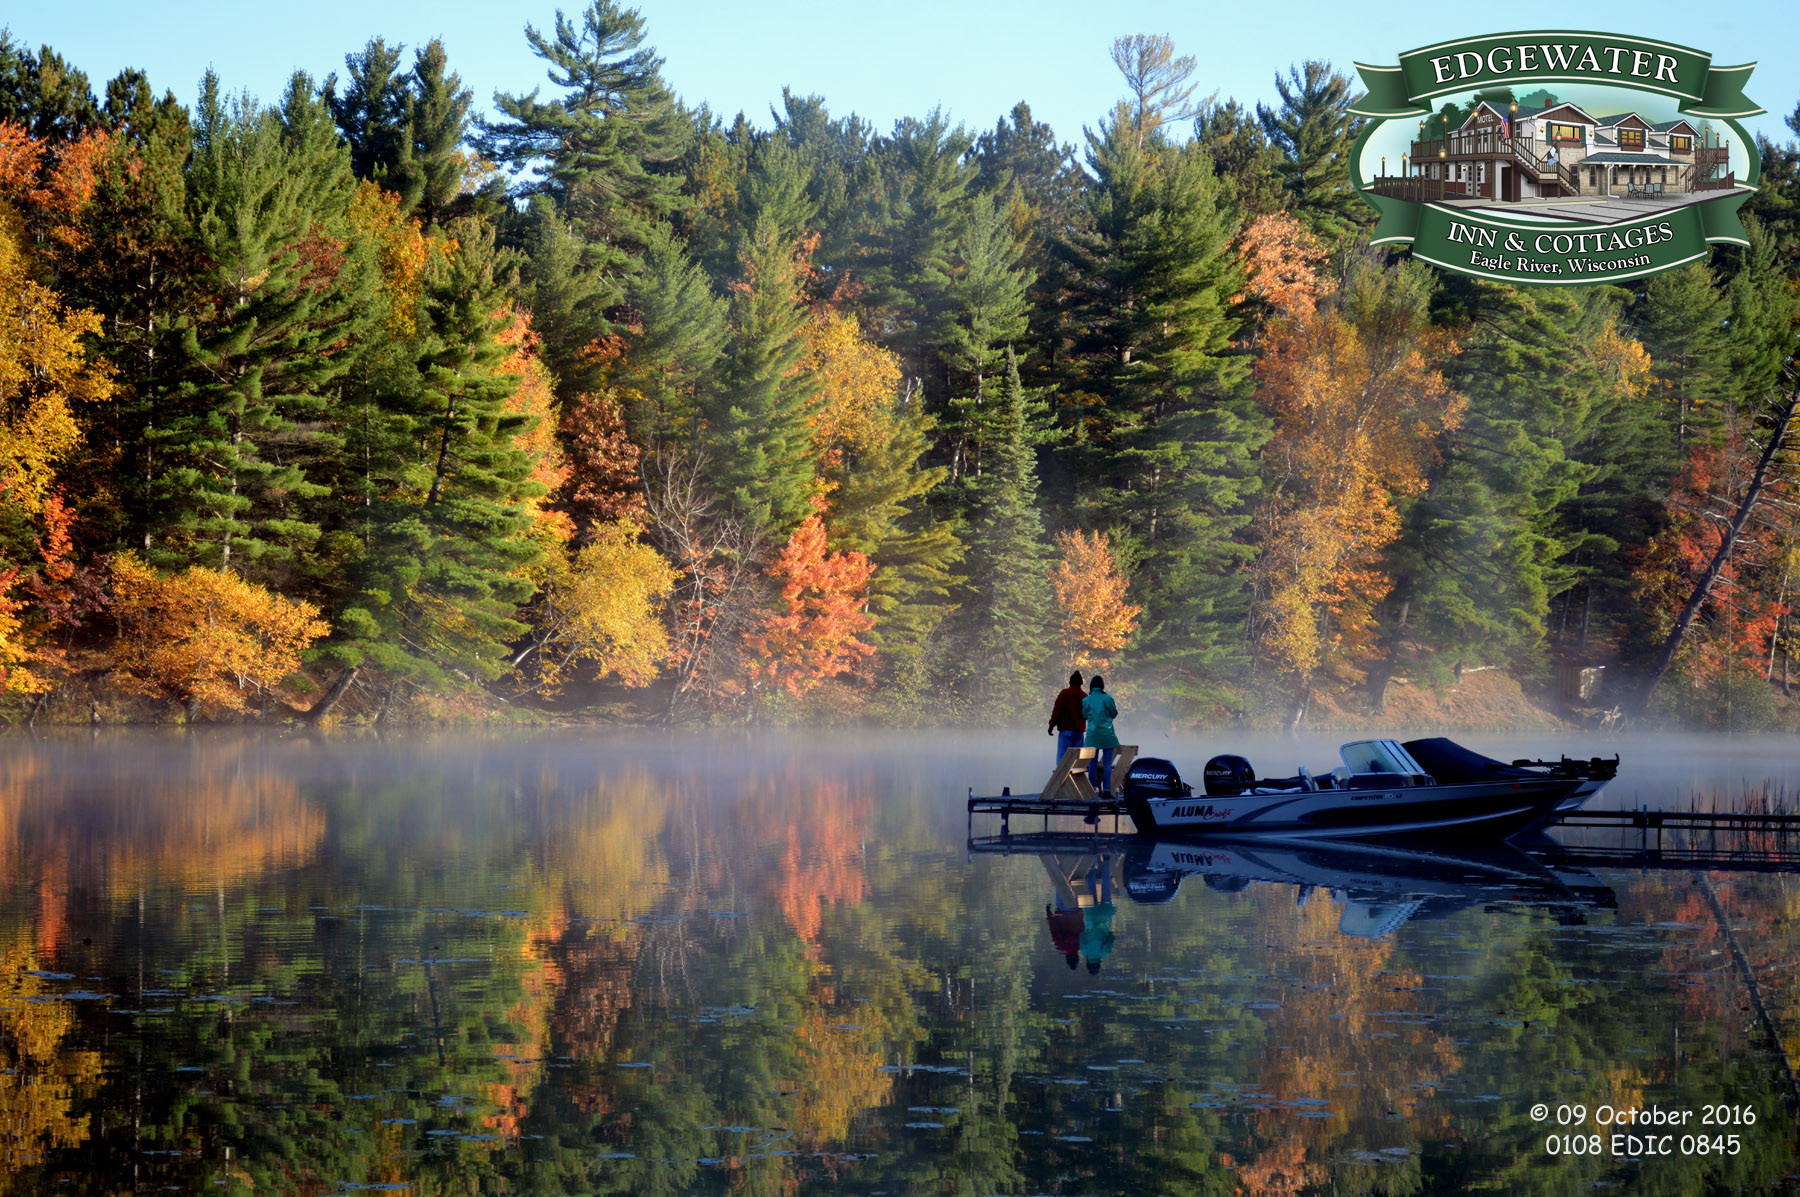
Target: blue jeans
pixel 1066 740
pixel 1100 772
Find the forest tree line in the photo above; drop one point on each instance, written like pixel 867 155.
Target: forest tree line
pixel 361 404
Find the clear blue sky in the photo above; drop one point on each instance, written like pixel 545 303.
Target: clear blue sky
pixel 882 60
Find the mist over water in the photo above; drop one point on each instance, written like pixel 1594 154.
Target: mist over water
pixel 635 962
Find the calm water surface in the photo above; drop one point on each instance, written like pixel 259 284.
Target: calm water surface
pixel 625 963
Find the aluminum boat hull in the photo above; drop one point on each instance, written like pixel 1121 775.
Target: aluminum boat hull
pixel 1485 807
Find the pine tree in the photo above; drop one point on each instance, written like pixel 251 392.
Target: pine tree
pixel 268 189
pixel 673 360
pixel 1491 543
pixel 1006 611
pixel 372 116
pixel 446 523
pixel 43 93
pixel 1681 320
pixel 606 149
pixel 437 118
pixel 1243 159
pixel 877 494
pixel 758 443
pixel 1313 130
pixel 922 195
pixel 985 309
pixel 1166 459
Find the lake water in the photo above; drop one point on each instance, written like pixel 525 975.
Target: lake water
pixel 633 963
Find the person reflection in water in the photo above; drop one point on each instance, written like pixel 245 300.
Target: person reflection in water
pixel 1065 930
pixel 1096 930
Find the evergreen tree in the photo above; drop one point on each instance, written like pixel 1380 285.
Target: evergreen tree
pixel 1167 457
pixel 1313 130
pixel 759 446
pixel 372 116
pixel 242 411
pixel 985 307
pixel 1681 320
pixel 42 92
pixel 1484 551
pixel 1006 610
pixel 445 520
pixel 674 359
pixel 877 496
pixel 922 196
pixel 605 151
pixel 1244 161
pixel 437 119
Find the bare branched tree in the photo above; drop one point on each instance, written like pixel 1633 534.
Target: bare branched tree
pixel 1158 80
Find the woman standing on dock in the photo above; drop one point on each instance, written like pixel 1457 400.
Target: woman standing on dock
pixel 1100 710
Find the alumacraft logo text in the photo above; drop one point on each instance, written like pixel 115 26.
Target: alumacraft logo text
pixel 1556 157
pixel 1205 811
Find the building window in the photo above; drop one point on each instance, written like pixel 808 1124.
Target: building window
pixel 1631 139
pixel 1565 134
pixel 1593 176
pixel 1681 145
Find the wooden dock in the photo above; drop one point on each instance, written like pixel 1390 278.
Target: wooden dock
pixel 1008 804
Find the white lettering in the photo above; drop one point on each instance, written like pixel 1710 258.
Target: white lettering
pixel 1441 68
pixel 1587 61
pixel 1527 59
pixel 1665 63
pixel 1640 60
pixel 1556 58
pixel 1495 63
pixel 1464 69
pixel 1615 51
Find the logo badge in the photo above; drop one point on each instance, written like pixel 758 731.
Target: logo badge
pixel 1556 158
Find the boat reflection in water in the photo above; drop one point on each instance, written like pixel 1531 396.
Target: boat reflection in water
pixel 1381 885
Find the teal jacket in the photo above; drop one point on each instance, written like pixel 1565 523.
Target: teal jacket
pixel 1100 710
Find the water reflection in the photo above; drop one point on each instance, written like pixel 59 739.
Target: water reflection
pixel 712 965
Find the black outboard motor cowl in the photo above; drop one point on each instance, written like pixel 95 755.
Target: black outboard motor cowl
pixel 1227 775
pixel 1153 777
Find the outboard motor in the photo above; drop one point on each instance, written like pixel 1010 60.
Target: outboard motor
pixel 1153 777
pixel 1227 775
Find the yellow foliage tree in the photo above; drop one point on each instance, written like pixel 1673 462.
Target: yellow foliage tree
pixel 204 637
pixel 403 250
pixel 857 380
pixel 43 368
pixel 1090 599
pixel 1357 415
pixel 15 654
pixel 602 606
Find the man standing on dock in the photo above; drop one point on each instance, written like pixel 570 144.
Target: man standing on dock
pixel 1067 723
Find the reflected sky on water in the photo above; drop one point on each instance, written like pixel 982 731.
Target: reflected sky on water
pixel 635 963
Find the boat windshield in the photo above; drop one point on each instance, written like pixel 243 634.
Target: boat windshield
pixel 1378 756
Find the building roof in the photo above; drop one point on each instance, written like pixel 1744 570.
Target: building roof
pixel 1619 118
pixel 1535 113
pixel 1671 126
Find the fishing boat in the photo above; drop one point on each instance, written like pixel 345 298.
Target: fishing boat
pixel 1381 788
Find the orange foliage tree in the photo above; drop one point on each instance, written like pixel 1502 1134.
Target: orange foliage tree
pixel 1282 264
pixel 204 637
pixel 1358 404
pixel 1738 624
pixel 1090 599
pixel 816 635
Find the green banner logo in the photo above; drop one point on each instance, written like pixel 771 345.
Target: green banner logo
pixel 1556 158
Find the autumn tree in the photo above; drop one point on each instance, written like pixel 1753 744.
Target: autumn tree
pixel 45 371
pixel 1358 402
pixel 205 638
pixel 1090 599
pixel 600 611
pixel 814 633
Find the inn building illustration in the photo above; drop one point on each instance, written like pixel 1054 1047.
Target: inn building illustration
pixel 1510 153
